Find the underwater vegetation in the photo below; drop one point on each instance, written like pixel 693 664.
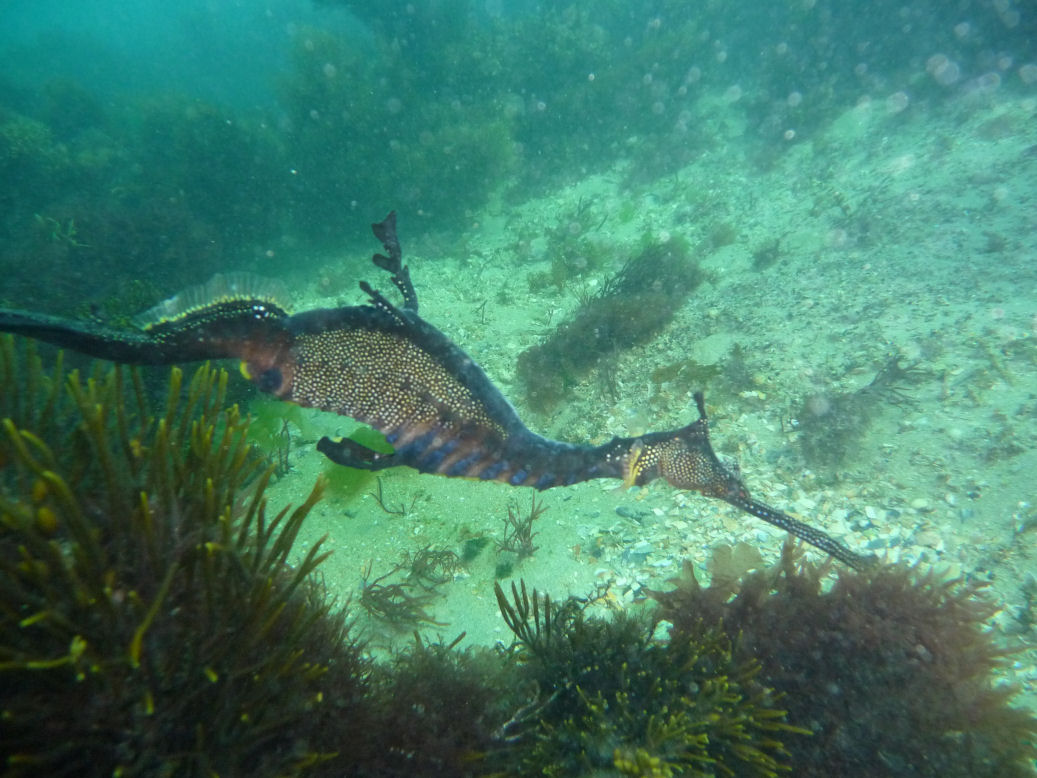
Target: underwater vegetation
pixel 831 425
pixel 149 614
pixel 227 174
pixel 152 623
pixel 517 543
pixel 28 152
pixel 682 378
pixel 614 701
pixel 632 306
pixel 155 620
pixel 395 597
pixel 436 107
pixel 169 183
pixel 429 567
pixel 441 711
pixel 890 668
pixel 577 247
pixel 351 104
pixel 398 598
pixel 583 83
pixel 518 530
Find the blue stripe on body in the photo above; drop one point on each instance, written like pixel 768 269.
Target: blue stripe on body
pixel 460 467
pixel 492 471
pixel 432 459
pixel 544 481
pixel 415 448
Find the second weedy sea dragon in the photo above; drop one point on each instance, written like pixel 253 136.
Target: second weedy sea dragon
pixel 387 367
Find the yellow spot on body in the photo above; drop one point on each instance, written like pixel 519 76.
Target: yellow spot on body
pixel 633 465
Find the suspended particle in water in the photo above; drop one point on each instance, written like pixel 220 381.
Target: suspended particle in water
pixel 897 102
pixel 988 82
pixel 944 70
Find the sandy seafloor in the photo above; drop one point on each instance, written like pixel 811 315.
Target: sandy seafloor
pixel 901 231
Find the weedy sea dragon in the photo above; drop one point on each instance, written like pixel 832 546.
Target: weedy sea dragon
pixel 387 367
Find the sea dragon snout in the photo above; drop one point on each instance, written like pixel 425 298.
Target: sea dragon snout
pixel 685 459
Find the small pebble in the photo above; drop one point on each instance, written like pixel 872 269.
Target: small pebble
pixel 921 504
pixel 637 554
pixel 930 538
pixel 635 514
pixel 838 527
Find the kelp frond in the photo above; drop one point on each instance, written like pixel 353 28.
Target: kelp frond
pixel 151 622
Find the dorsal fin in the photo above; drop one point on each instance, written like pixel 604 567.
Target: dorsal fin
pixel 385 231
pixel 221 288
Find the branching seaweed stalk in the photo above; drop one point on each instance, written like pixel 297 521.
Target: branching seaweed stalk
pixel 148 615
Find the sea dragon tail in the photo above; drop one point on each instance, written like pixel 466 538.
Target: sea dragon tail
pixel 230 316
pixel 88 338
